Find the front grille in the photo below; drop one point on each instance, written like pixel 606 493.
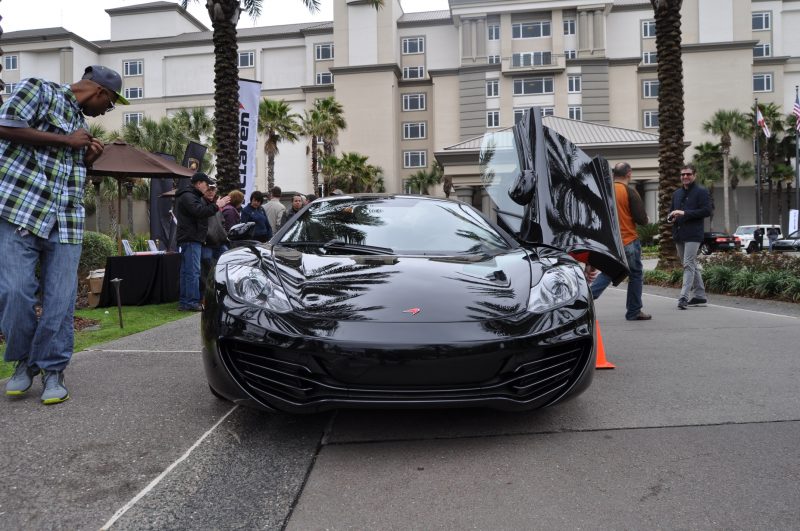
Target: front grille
pixel 297 378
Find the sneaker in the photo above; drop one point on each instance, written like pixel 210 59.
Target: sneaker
pixel 641 316
pixel 697 301
pixel 682 304
pixel 55 391
pixel 22 379
pixel 194 308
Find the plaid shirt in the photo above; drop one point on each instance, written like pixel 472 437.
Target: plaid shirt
pixel 41 187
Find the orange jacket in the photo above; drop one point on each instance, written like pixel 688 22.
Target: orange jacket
pixel 630 210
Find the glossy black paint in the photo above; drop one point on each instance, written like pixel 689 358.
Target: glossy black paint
pixel 547 190
pixel 350 341
pixel 789 244
pixel 716 241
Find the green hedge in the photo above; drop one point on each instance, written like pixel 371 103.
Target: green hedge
pixel 96 248
pixel 759 275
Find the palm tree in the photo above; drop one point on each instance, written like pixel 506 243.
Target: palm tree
pixel 224 16
pixel 708 163
pixel 313 126
pixel 278 123
pixel 195 124
pixel 739 170
pixel 724 124
pixel 670 117
pixel 334 113
pixel 424 179
pixel 768 147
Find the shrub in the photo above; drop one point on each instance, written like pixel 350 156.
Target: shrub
pixel 676 276
pixel 658 277
pixel 96 248
pixel 768 283
pixel 718 278
pixel 647 233
pixel 743 281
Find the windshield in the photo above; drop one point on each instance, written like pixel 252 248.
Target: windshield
pixel 404 225
pixel 795 235
pixel 745 230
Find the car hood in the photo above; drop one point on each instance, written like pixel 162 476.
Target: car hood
pixel 405 289
pixel 548 191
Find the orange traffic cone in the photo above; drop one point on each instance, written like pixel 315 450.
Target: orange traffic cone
pixel 602 362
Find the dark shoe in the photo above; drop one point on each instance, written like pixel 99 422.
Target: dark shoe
pixel 195 308
pixel 21 380
pixel 682 304
pixel 55 391
pixel 696 301
pixel 641 317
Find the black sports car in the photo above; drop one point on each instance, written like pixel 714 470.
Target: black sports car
pixel 716 241
pixel 380 300
pixel 789 244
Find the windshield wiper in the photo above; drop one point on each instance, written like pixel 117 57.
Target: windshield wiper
pixel 339 245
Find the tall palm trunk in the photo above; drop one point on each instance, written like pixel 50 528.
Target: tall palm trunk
pixel 270 171
pixel 726 151
pixel 314 165
pixel 670 118
pixel 224 17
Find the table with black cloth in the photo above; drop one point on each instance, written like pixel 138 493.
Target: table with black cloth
pixel 146 279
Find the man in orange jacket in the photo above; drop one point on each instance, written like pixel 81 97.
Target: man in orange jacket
pixel 631 212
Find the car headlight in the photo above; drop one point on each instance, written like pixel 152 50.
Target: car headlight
pixel 558 286
pixel 251 285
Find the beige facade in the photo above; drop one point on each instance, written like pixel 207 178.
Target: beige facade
pixel 414 84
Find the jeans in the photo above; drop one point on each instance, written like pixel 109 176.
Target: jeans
pixel 48 342
pixel 633 303
pixel 692 278
pixel 190 274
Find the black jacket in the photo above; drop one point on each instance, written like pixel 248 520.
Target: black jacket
pixel 696 205
pixel 192 211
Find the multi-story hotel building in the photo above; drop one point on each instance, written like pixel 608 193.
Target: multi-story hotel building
pixel 419 86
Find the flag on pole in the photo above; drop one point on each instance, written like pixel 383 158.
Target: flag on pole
pixel 762 123
pixel 249 92
pixel 796 112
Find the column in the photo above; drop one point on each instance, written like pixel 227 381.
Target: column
pixel 464 194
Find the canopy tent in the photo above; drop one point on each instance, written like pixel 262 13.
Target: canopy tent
pixel 124 161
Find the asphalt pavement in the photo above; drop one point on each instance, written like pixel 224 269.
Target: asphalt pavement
pixel 698 427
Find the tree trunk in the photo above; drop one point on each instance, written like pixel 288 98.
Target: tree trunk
pixel 270 171
pixel 670 119
pixel 780 205
pixel 725 185
pixel 314 168
pixel 736 205
pixel 224 16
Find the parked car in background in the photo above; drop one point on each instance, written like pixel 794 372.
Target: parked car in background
pixel 790 244
pixel 715 241
pixel 745 234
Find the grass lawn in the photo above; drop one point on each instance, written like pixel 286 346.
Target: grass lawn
pixel 135 318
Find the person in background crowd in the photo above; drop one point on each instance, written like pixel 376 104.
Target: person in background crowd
pixel 275 209
pixel 232 211
pixel 772 235
pixel 631 212
pixel 253 212
pixel 216 238
pixel 46 149
pixel 297 204
pixel 690 206
pixel 310 198
pixel 193 208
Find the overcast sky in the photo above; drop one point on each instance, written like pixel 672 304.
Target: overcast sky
pixel 88 18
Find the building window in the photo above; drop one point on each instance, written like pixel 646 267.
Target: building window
pixel 415 159
pixel 492 118
pixel 574 84
pixel 531 59
pixel 530 30
pixel 648 29
pixel 247 59
pixel 132 68
pixel 134 118
pixel 520 113
pixel 492 88
pixel 649 58
pixel 650 119
pixel 414 102
pixel 9 88
pixel 575 113
pixel 533 85
pixel 571 54
pixel 413 72
pixel 413 45
pixel 650 88
pixel 324 78
pixel 494 32
pixel 323 52
pixel 494 59
pixel 762 50
pixel 762 82
pixel 10 62
pixel 569 26
pixel 134 93
pixel 413 130
pixel 762 20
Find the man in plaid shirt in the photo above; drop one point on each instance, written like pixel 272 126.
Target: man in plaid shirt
pixel 44 151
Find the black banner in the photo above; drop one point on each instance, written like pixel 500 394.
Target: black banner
pixel 162 223
pixel 193 159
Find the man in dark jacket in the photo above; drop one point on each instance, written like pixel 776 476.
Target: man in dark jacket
pixel 192 211
pixel 691 204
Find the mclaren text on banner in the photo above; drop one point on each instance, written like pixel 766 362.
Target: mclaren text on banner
pixel 249 91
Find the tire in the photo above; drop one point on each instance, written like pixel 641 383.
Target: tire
pixel 215 393
pixel 705 249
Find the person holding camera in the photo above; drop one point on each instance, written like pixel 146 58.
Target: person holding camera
pixel 691 204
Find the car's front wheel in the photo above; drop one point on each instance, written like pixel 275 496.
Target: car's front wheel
pixel 705 249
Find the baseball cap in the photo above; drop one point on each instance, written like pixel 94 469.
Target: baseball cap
pixel 105 77
pixel 200 176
